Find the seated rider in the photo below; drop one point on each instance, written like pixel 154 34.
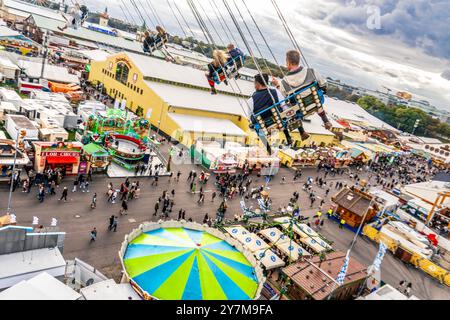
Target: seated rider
pixel 234 53
pixel 77 15
pixel 160 33
pixel 264 98
pixel 300 77
pixel 149 41
pixel 220 59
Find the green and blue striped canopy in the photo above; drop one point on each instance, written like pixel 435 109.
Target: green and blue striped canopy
pixel 186 264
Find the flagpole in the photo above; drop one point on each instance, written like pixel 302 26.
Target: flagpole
pixel 352 245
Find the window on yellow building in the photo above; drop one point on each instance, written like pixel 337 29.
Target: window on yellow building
pixel 122 71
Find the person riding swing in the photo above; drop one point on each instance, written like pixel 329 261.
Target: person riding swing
pixel 77 16
pixel 299 77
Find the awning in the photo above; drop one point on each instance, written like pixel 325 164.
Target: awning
pixel 62 160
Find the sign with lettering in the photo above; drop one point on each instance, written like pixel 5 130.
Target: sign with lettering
pixel 60 154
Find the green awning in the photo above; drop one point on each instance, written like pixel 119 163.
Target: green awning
pixel 95 149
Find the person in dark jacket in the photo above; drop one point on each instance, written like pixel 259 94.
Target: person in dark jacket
pixel 263 98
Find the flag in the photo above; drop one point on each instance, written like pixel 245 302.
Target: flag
pixel 379 257
pixel 35 221
pixel 12 218
pixel 54 222
pixel 341 276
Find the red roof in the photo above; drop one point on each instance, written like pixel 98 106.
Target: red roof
pixel 319 283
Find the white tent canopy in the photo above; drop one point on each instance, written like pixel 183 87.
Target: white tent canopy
pixel 274 235
pixel 237 232
pixel 269 259
pixel 41 287
pixel 293 250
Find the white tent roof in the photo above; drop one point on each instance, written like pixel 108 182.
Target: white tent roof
pixel 159 69
pixel 269 259
pixel 316 126
pixel 428 190
pixel 28 8
pixel 274 235
pixel 25 264
pixel 41 287
pixel 192 98
pixel 351 111
pixel 237 232
pixel 253 242
pixel 293 250
pixel 109 290
pixel 207 125
pixel 95 55
pixel 313 244
pixel 51 72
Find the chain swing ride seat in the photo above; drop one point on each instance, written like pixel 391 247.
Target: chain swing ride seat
pixel 230 70
pixel 158 43
pixel 300 103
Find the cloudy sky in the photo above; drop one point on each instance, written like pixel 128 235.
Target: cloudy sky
pixel 400 44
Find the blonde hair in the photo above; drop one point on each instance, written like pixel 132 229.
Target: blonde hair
pixel 160 30
pixel 220 58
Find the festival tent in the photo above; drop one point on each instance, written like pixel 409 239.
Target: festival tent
pixel 292 250
pixel 269 259
pixel 237 232
pixel 185 261
pixel 274 235
pixel 253 243
pixel 313 244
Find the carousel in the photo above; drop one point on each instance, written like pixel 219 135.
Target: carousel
pixel 178 260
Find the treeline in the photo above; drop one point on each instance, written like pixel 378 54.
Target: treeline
pixel 404 118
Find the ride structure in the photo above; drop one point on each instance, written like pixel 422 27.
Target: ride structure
pixel 125 139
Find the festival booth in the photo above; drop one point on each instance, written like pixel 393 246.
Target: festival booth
pixel 212 156
pixel 341 159
pixel 299 158
pixel 98 159
pixel 178 260
pixel 292 250
pixel 254 157
pixel 58 155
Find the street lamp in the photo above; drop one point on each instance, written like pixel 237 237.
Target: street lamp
pixel 20 135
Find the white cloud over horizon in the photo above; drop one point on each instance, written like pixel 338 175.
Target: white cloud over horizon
pixel 410 52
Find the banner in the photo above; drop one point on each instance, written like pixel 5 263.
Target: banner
pixel 341 276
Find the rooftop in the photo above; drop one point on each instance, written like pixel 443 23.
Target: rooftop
pixel 183 97
pixel 51 72
pixel 353 200
pixel 41 287
pixel 207 125
pixel 21 121
pixel 88 35
pixel 28 9
pixel 163 70
pixel 319 282
pixel 351 111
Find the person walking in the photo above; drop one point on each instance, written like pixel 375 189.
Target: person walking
pixel 178 175
pixel 93 235
pixel 111 222
pixel 75 184
pixel 114 224
pixel 64 194
pixel 124 208
pixel 213 196
pixel 180 213
pixel 156 209
pixel 94 201
pixel 183 215
pixel 342 223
